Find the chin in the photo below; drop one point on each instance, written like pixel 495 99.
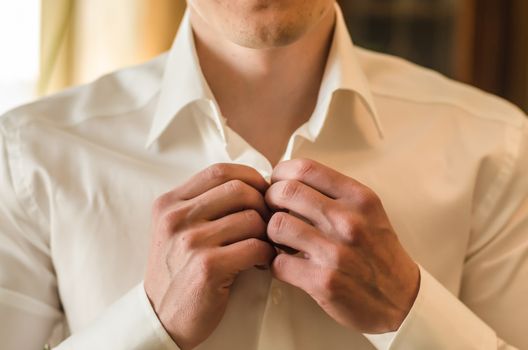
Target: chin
pixel 268 36
pixel 262 24
pixel 269 29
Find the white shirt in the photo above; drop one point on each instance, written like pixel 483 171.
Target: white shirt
pixel 80 170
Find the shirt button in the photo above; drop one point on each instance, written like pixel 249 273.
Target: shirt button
pixel 276 295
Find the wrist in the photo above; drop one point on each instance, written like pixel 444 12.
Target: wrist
pixel 410 295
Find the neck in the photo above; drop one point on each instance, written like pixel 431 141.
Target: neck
pixel 265 89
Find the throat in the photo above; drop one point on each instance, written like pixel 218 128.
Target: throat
pixel 265 94
pixel 269 135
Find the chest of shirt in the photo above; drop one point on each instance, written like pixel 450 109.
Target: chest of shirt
pixel 100 222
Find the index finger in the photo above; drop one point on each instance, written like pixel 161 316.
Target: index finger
pixel 243 255
pixel 316 175
pixel 218 174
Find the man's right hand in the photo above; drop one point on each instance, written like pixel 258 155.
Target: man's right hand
pixel 204 233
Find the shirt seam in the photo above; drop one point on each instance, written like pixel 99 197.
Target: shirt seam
pixel 512 145
pixel 22 189
pixel 75 92
pixel 507 167
pixel 117 114
pixel 518 124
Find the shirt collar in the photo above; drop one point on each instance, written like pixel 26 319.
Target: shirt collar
pixel 183 82
pixel 343 72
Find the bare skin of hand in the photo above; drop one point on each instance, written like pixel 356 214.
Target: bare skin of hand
pixel 204 233
pixel 350 262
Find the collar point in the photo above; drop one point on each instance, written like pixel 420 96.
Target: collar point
pixel 150 141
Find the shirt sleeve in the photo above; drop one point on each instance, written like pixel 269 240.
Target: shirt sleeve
pixel 490 311
pixel 30 306
pixel 130 323
pixel 439 320
pixel 28 295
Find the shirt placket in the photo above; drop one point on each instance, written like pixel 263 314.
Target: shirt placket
pixel 276 328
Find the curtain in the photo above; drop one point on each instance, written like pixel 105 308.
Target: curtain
pixel 55 55
pixel 83 39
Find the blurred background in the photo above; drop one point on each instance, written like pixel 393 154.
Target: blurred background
pixel 48 45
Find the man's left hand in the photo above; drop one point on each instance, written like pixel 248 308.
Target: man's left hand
pixel 350 260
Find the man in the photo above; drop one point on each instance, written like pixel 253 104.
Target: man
pixel 285 167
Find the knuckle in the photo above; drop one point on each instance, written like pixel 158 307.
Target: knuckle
pixel 252 216
pixel 349 226
pixel 258 247
pixel 253 244
pixel 190 240
pixel 254 219
pixel 303 167
pixel 160 203
pixel 207 266
pixel 277 223
pixel 171 219
pixel 290 188
pixel 246 194
pixel 217 171
pixel 166 221
pixel 280 261
pixel 236 187
pixel 367 199
pixel 330 284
